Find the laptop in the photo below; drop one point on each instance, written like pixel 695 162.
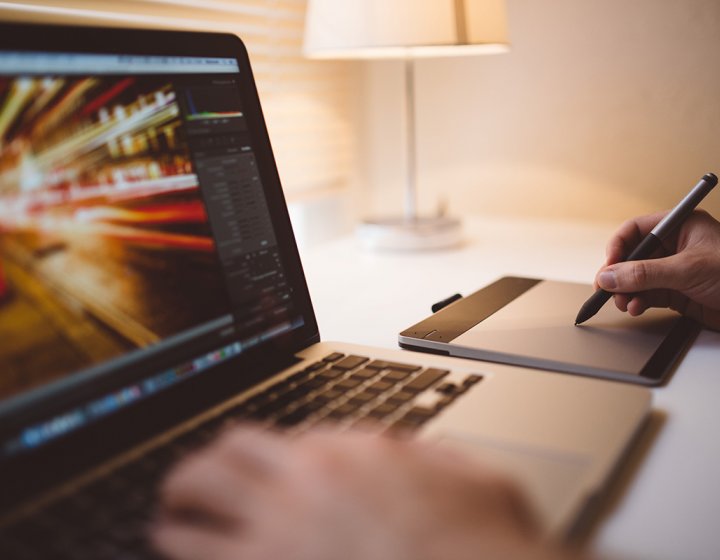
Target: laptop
pixel 152 294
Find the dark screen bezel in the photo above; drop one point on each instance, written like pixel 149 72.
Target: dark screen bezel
pixel 133 420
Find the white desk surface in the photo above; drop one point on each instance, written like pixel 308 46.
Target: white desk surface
pixel 666 500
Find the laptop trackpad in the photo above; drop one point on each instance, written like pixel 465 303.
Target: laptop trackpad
pixel 552 480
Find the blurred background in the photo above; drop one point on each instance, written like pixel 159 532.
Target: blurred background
pixel 601 110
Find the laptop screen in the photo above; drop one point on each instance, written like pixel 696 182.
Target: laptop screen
pixel 133 221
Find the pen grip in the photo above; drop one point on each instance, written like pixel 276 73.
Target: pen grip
pixel 645 249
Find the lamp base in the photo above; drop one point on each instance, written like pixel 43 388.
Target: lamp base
pixel 416 234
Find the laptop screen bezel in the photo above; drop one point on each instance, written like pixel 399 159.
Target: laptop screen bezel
pixel 247 368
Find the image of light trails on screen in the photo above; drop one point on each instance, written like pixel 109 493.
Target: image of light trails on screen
pixel 105 244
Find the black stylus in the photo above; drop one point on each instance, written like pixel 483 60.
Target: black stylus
pixel 653 240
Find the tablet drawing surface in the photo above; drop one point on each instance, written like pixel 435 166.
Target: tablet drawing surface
pixel 536 329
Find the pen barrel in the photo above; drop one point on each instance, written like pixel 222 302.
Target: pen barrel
pixel 645 249
pixel 685 207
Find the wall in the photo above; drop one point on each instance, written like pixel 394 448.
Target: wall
pixel 602 110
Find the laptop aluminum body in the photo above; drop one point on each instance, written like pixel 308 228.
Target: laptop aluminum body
pixel 151 280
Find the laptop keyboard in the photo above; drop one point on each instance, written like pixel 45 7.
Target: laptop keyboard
pixel 108 518
pixel 354 390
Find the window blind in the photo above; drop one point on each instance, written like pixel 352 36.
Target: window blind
pixel 308 105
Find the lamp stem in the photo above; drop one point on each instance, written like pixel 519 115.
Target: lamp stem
pixel 410 186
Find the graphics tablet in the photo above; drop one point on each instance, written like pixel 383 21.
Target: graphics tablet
pixel 530 322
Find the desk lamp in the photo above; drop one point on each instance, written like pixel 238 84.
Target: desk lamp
pixel 406 30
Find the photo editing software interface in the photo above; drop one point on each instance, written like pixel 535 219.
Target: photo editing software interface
pixel 132 220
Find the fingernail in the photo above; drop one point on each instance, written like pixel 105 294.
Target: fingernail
pixel 607 280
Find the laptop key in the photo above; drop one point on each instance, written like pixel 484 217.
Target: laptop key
pixel 295 393
pixel 365 373
pixel 429 400
pixel 328 396
pixel 363 398
pixel 269 409
pixel 449 389
pixel 395 375
pixel 351 362
pixel 332 373
pixel 401 397
pixel 383 364
pixel 334 357
pixel 402 427
pixel 347 384
pixel 366 393
pixel 299 414
pixel 298 377
pixel 277 388
pixel 316 366
pixel 343 411
pixel 472 379
pixel 426 379
pixel 383 410
pixel 418 415
pixel 314 383
pixel 379 387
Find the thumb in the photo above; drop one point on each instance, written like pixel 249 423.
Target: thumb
pixel 638 276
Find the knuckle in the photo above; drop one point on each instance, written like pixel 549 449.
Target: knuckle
pixel 640 275
pixel 694 267
pixel 615 246
pixel 628 225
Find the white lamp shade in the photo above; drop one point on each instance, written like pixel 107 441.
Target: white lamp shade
pixel 404 28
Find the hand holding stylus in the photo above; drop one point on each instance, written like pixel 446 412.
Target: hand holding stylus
pixel 659 235
pixel 685 277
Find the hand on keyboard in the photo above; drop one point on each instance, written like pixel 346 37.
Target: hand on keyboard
pixel 322 496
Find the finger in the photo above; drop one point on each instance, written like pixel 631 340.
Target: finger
pixel 664 299
pixel 361 436
pixel 640 276
pixel 637 306
pixel 259 453
pixel 629 235
pixel 186 542
pixel 526 518
pixel 206 487
pixel 622 301
pixel 329 452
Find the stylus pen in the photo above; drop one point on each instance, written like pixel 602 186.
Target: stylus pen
pixel 653 240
